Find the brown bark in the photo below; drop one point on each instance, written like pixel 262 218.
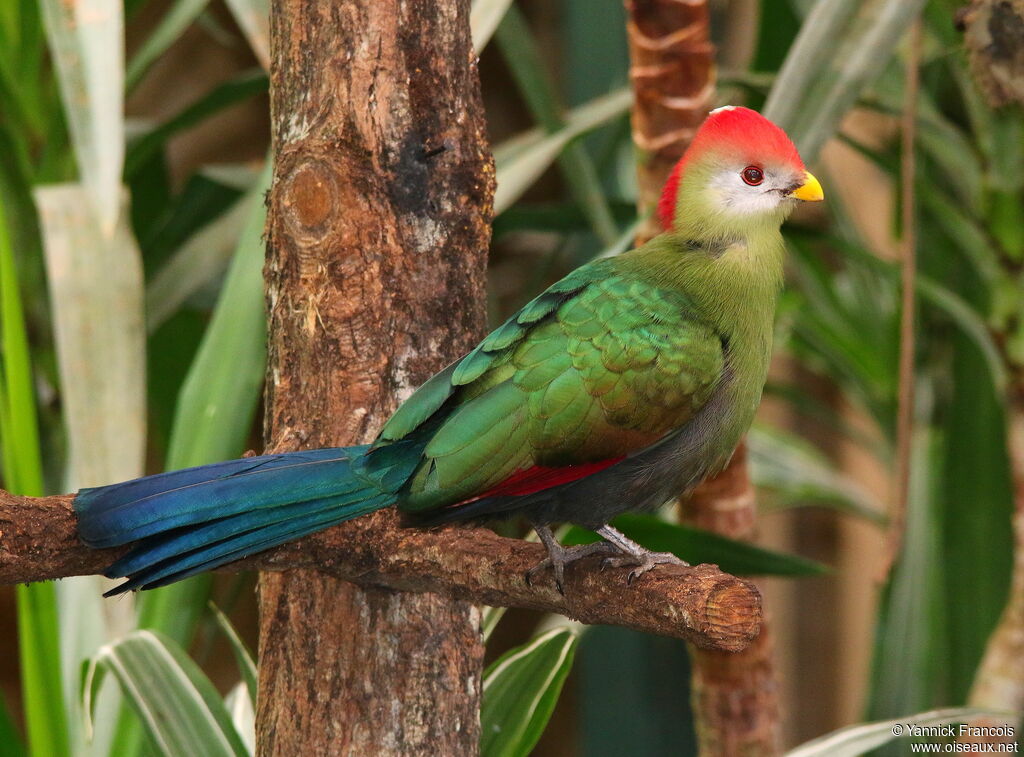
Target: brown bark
pixel 736 697
pixel 377 237
pixel 672 70
pixel 39 541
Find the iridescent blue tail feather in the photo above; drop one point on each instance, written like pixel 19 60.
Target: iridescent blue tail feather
pixel 189 521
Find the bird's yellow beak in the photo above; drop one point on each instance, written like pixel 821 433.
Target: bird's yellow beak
pixel 809 191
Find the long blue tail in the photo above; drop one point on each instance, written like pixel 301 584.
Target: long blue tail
pixel 193 520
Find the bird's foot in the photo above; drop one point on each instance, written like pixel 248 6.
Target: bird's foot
pixel 631 553
pixel 559 556
pixel 642 563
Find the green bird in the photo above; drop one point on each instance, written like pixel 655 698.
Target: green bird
pixel 618 388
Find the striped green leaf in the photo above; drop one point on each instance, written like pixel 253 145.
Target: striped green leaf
pixel 520 690
pixel 179 707
pixel 859 739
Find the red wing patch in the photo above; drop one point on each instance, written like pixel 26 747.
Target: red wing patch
pixel 538 478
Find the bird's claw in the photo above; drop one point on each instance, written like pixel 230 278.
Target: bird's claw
pixel 558 568
pixel 559 556
pixel 643 563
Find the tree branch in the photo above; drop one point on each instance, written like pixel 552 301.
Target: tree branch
pixel 714 610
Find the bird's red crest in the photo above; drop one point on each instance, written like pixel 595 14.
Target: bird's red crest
pixel 738 130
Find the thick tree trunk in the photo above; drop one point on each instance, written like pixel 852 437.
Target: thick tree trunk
pixel 377 238
pixel 735 695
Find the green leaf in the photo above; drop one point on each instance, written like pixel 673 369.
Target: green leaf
pixel 180 15
pixel 87 47
pixel 856 740
pixel 484 17
pixel 11 744
pixel 195 264
pixel 242 709
pixel 177 704
pixel 520 690
pixel 253 18
pixel 243 657
pixel 908 659
pixel 835 56
pixel 523 58
pixel 814 44
pixel 39 644
pixel 243 86
pixel 796 473
pixel 522 159
pixel 219 397
pixel 703 547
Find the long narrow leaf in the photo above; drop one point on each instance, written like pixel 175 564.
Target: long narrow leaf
pixel 520 690
pixel 39 647
pixel 241 87
pixel 860 739
pixel 175 21
pixel 811 95
pixel 178 705
pixel 243 657
pixel 96 294
pixel 253 18
pixel 96 286
pixel 522 160
pixel 522 56
pixel 816 41
pixel 219 397
pixel 484 17
pixel 795 473
pixel 10 740
pixel 697 547
pixel 202 258
pixel 217 402
pixel 87 45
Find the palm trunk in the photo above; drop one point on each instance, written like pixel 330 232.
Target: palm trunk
pixel 735 695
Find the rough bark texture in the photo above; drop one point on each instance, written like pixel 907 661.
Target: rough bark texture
pixel 672 70
pixel 377 237
pixel 736 697
pixel 39 541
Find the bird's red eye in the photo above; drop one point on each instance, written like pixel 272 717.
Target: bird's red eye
pixel 752 175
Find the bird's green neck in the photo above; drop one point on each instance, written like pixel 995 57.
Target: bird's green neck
pixel 733 282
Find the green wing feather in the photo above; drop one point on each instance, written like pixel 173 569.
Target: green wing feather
pixel 601 364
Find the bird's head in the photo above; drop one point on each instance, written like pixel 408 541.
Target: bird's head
pixel 740 172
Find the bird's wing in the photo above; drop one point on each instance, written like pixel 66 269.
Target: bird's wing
pixel 597 367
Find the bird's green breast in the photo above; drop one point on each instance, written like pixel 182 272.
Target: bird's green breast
pixel 734 286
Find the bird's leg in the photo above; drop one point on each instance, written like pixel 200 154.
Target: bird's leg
pixel 559 556
pixel 631 553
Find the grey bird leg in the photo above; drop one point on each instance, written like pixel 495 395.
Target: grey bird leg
pixel 559 556
pixel 631 553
